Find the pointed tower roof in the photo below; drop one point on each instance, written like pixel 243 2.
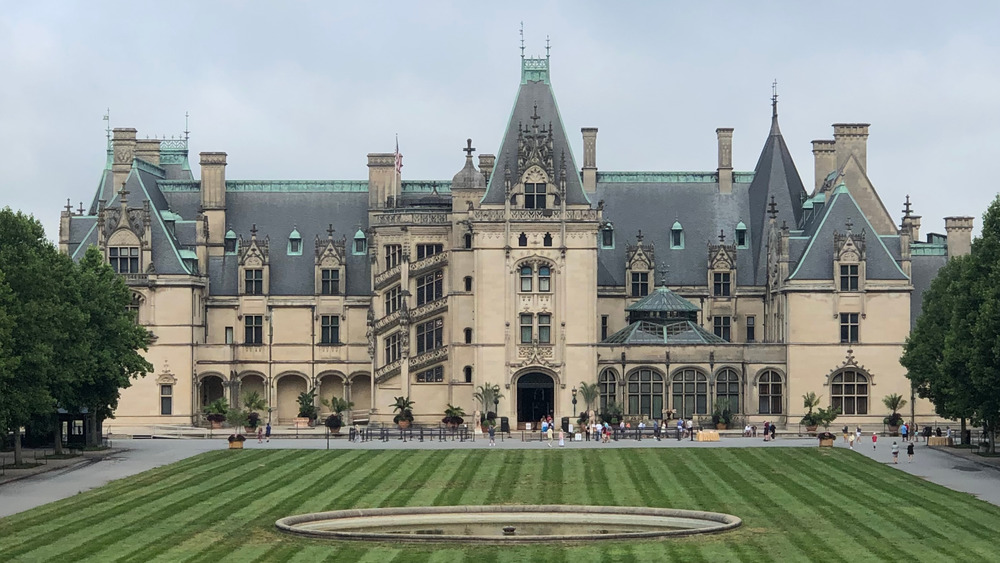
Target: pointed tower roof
pixel 774 176
pixel 535 104
pixel 662 300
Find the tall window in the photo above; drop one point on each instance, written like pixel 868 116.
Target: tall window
pixel 690 390
pixel 769 393
pixel 604 327
pixel 392 300
pixel 393 255
pixel 253 281
pixel 723 327
pixel 544 329
pixel 607 237
pixel 330 282
pixel 166 399
pixel 430 287
pixel 124 259
pixel 330 333
pixel 433 375
pixel 751 328
pixel 253 326
pixel 229 243
pixel 534 196
pixel 721 285
pixel 741 235
pixel 848 328
pixel 229 335
pixel 849 392
pixel 677 235
pixel 640 284
pixel 467 371
pixel 848 277
pixel 392 348
pixel 468 336
pixel 526 283
pixel 526 326
pixel 468 283
pixel 468 240
pixel 522 240
pixel 133 307
pixel 645 393
pixel 425 250
pixel 360 243
pixel 606 386
pixel 727 390
pixel 430 335
pixel 547 240
pixel 544 279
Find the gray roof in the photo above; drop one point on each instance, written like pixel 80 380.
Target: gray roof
pixel 646 332
pixel 923 270
pixel 663 300
pixel 530 94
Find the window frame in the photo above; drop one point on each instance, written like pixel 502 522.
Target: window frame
pixel 430 335
pixel 430 287
pixel 391 348
pixel 253 281
pixel 751 328
pixel 166 399
pixel 131 259
pixel 330 329
pixel 393 255
pixel 722 326
pixel 767 398
pixel 607 389
pixel 535 195
pixel 392 299
pixel 721 284
pixel 329 281
pixel 526 322
pixel 544 323
pixel 850 277
pixel 725 395
pixel 639 284
pixel 693 389
pixel 846 395
pixel 253 330
pixel 641 395
pixel 850 328
pixel 428 249
pixel 436 375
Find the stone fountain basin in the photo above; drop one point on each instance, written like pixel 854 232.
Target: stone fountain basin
pixel 532 523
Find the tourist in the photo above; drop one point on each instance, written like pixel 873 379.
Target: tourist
pixel 767 430
pixel 267 432
pixel 874 440
pixel 774 432
pixel 753 431
pixel 895 452
pixel 562 439
pixel 357 432
pixel 493 434
pixel 858 432
pixel 851 441
pixel 746 431
pixel 548 434
pixel 846 431
pixel 903 431
pixel 260 435
pixel 909 452
pixel 689 428
pixel 680 428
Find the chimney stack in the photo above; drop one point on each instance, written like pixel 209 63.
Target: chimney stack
pixel 486 164
pixel 213 180
pixel 148 150
pixel 381 172
pixel 959 230
pixel 589 159
pixel 851 138
pixel 725 170
pixel 123 143
pixel 824 161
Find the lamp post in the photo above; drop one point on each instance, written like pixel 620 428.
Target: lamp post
pixel 574 402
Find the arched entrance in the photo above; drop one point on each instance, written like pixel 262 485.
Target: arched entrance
pixel 289 388
pixel 535 397
pixel 361 392
pixel 212 388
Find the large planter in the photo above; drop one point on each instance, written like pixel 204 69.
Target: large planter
pixel 335 429
pixel 893 430
pixel 812 428
pixel 216 424
pixel 302 422
pixel 721 426
pixel 826 442
pixel 404 424
pixel 236 445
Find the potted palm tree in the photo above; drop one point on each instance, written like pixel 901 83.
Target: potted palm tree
pixel 612 413
pixel 216 412
pixel 337 406
pixel 237 418
pixel 811 420
pixel 894 403
pixel 253 402
pixel 307 409
pixel 487 396
pixel 589 392
pixel 722 417
pixel 453 416
pixel 404 409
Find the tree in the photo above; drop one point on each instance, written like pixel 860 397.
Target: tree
pixel 894 402
pixel 589 392
pixel 487 395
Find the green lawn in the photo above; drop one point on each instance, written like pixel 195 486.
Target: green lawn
pixel 797 504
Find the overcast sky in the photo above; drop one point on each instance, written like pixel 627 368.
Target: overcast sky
pixel 304 90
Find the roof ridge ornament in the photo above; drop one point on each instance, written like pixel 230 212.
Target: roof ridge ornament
pixel 772 209
pixel 774 99
pixel 907 209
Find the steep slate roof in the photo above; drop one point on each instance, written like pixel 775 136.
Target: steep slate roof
pixel 923 270
pixel 775 175
pixel 817 260
pixel 645 332
pixel 535 90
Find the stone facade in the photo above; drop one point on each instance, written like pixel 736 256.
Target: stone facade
pixel 528 273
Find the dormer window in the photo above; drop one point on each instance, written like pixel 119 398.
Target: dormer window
pixel 534 196
pixel 124 259
pixel 607 236
pixel 677 236
pixel 849 277
pixel 294 243
pixel 230 242
pixel 360 243
pixel 741 235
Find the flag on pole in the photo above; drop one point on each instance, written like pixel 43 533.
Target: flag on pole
pixel 399 158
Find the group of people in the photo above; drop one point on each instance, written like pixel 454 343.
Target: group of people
pixel 770 431
pixel 851 437
pixel 547 427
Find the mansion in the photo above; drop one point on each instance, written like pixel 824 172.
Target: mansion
pixel 675 292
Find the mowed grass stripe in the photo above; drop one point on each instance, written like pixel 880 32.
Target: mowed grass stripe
pixel 510 470
pixel 66 531
pixel 159 528
pixel 597 479
pixel 552 478
pixel 625 491
pixel 218 537
pixel 426 467
pixel 659 467
pixel 488 472
pixel 460 479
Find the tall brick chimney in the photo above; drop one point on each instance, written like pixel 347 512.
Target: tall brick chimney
pixel 725 170
pixel 824 161
pixel 959 230
pixel 589 159
pixel 851 138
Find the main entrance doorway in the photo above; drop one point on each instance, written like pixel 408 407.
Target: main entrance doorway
pixel 535 397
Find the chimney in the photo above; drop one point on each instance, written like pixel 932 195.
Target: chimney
pixel 486 163
pixel 589 159
pixel 912 224
pixel 851 138
pixel 381 170
pixel 213 180
pixel 123 143
pixel 725 135
pixel 959 231
pixel 824 161
pixel 148 150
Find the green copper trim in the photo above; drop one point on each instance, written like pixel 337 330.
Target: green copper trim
pixel 534 70
pixel 148 167
pixel 170 216
pixel 928 249
pixel 179 185
pixel 188 254
pixel 669 177
pixel 163 226
pixel 288 186
pixel 427 186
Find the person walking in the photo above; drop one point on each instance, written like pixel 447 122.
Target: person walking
pixel 909 452
pixel 689 428
pixel 858 432
pixel 680 428
pixel 548 434
pixel 874 440
pixel 895 452
pixel 267 432
pixel 260 435
pixel 903 430
pixel 493 435
pixel 562 439
pixel 846 431
pixel 774 431
pixel 851 441
pixel 767 430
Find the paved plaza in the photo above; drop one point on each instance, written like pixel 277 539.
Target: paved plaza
pixel 956 469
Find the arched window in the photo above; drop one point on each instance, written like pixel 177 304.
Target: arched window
pixel 468 240
pixel 849 392
pixel 230 242
pixel 606 386
pixel 727 390
pixel 547 240
pixel 770 393
pixel 522 240
pixel 741 235
pixel 526 278
pixel 544 279
pixel 468 374
pixel 690 392
pixel 468 283
pixel 677 235
pixel 468 336
pixel 360 242
pixel 645 393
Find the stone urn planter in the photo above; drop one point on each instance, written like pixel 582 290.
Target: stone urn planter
pixel 404 424
pixel 893 430
pixel 721 426
pixel 811 429
pixel 302 422
pixel 826 440
pixel 236 445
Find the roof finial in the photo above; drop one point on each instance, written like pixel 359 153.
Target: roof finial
pixel 107 117
pixel 772 209
pixel 522 40
pixel 69 206
pixel 468 149
pixel 849 223
pixel 907 210
pixel 80 209
pixel 774 99
pixel 547 46
pixel 638 237
pixel 253 231
pixel 123 193
pixel 722 236
pixel 329 231
pixel 187 132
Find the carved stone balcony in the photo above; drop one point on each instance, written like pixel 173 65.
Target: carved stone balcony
pixel 387 277
pixel 431 262
pixel 136 279
pixel 429 309
pixel 387 322
pixel 411 218
pixel 388 370
pixel 494 215
pixel 428 358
